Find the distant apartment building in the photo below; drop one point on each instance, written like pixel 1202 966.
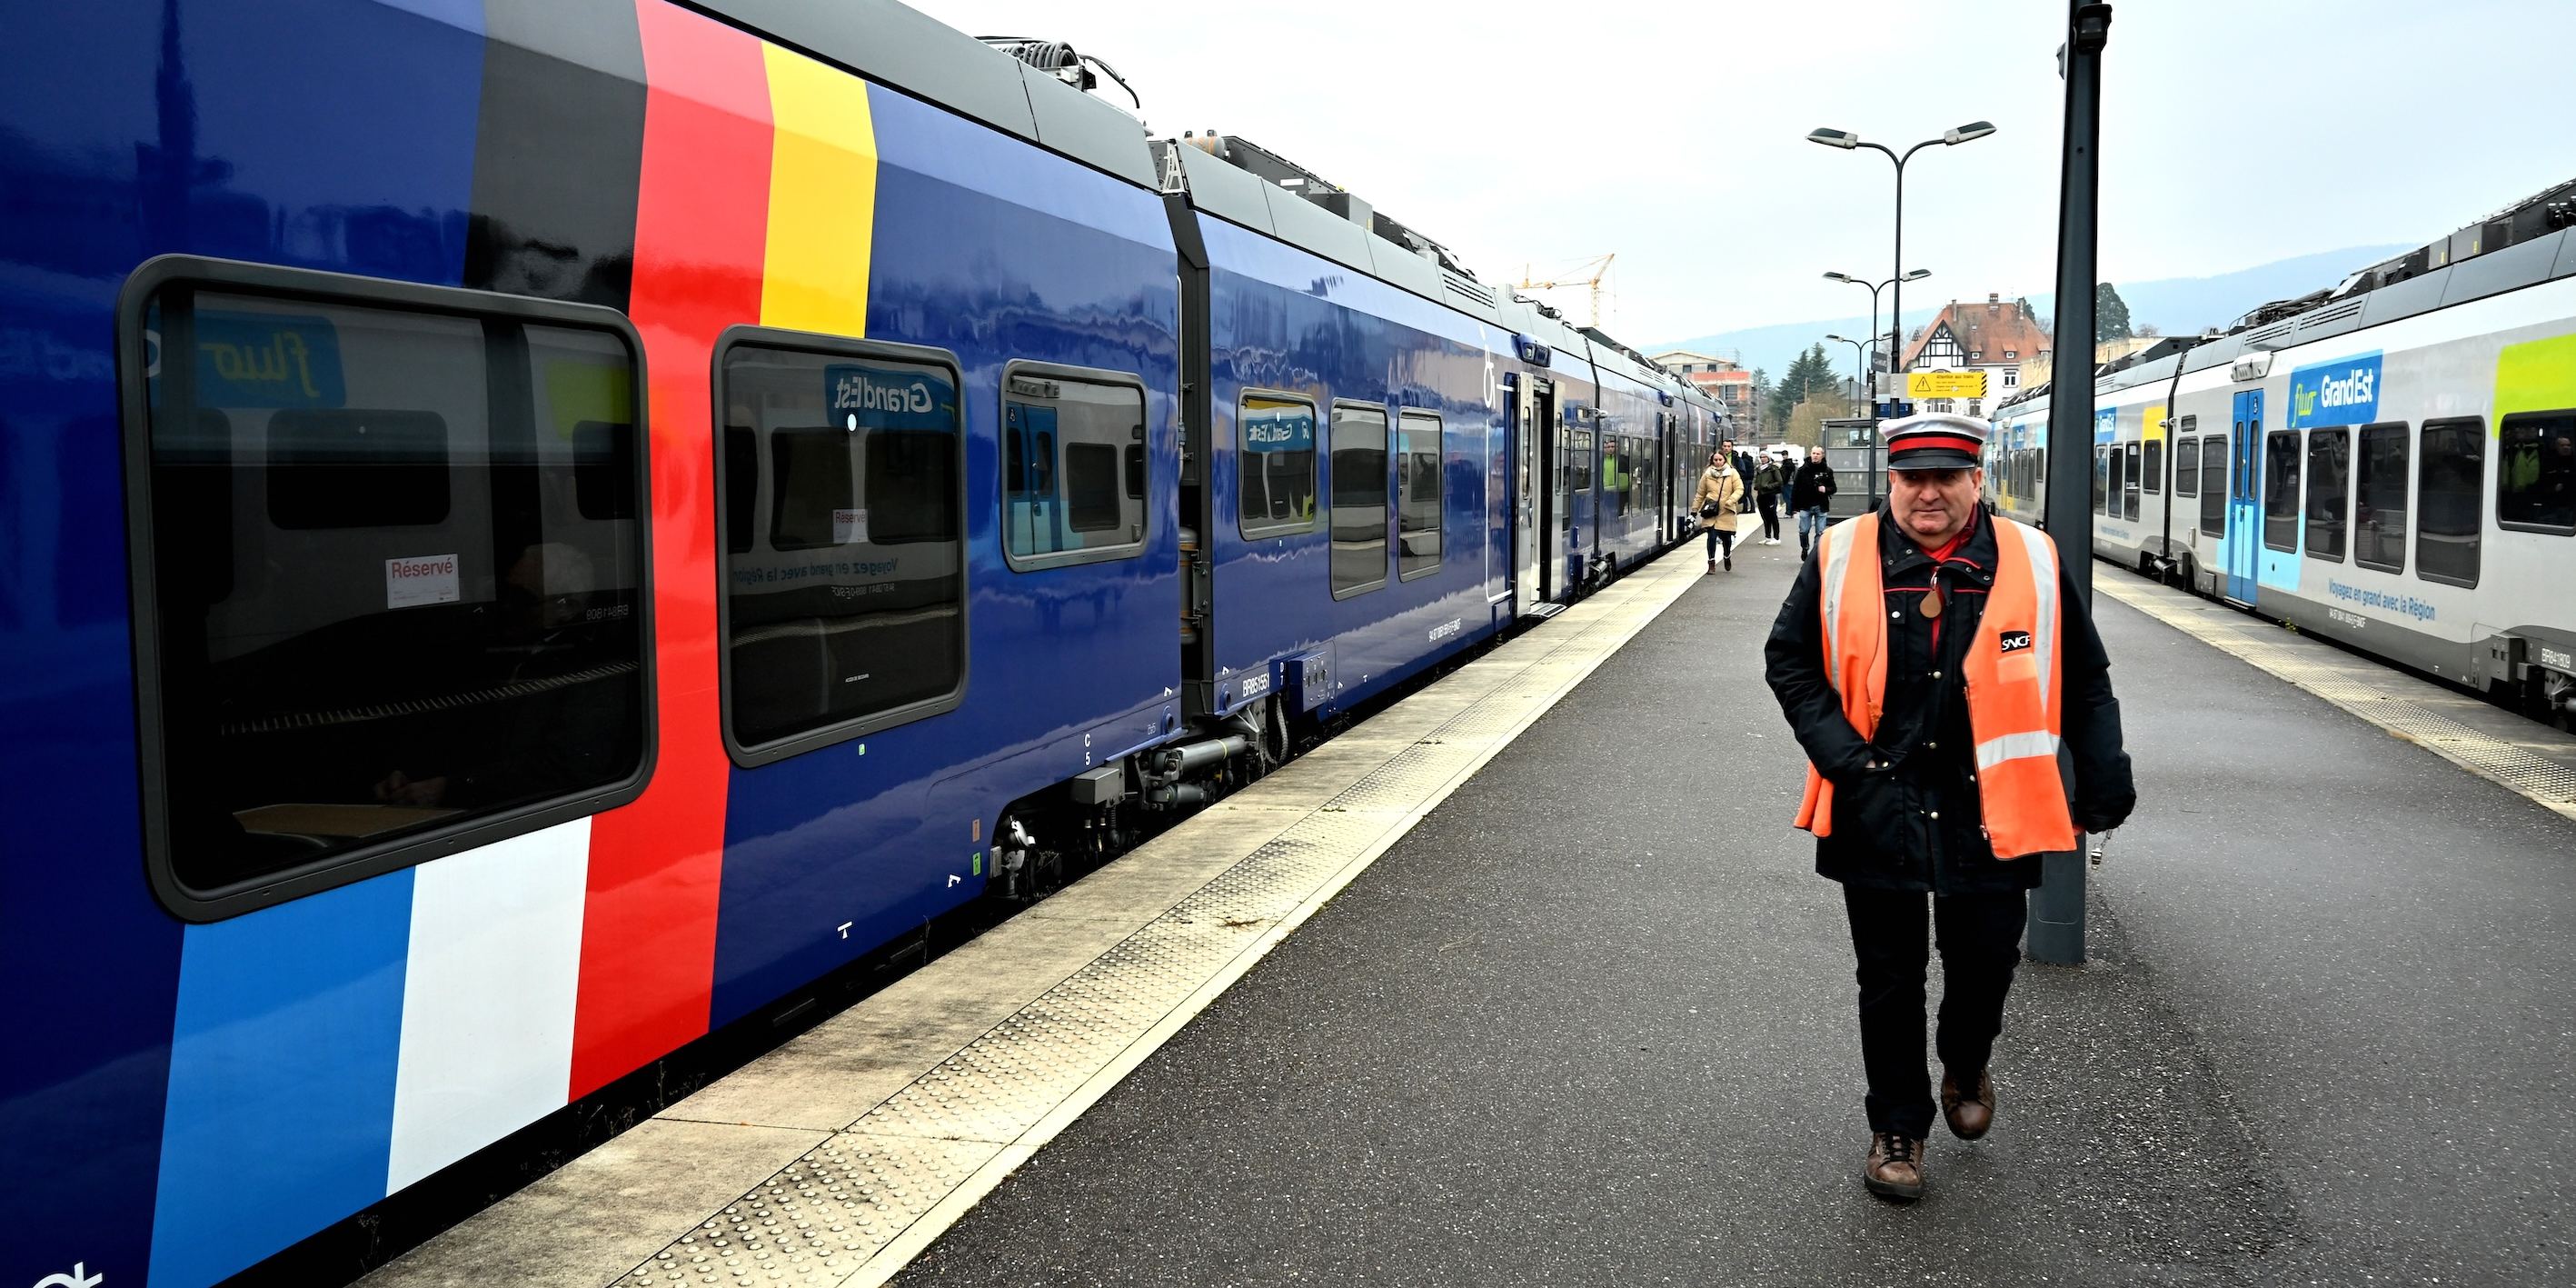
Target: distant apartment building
pixel 2002 339
pixel 1721 378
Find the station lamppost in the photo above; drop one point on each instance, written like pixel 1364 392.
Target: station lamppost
pixel 2057 907
pixel 1860 362
pixel 1846 140
pixel 1873 289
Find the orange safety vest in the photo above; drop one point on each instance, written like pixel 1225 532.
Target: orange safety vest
pixel 2012 671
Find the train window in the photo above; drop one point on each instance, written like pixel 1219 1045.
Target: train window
pixel 1417 484
pixel 846 612
pixel 2153 481
pixel 2101 480
pixel 1073 466
pixel 2281 490
pixel 2450 493
pixel 2379 517
pixel 2329 473
pixel 1276 487
pixel 1359 499
pixel 378 621
pixel 2186 467
pixel 2536 471
pixel 2213 484
pixel 2128 482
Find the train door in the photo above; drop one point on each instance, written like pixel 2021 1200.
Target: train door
pixel 1534 518
pixel 1573 502
pixel 1665 474
pixel 2243 542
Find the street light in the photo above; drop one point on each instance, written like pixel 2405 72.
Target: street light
pixel 1846 140
pixel 1858 362
pixel 1873 288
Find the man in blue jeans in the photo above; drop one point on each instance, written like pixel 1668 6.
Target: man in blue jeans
pixel 1811 490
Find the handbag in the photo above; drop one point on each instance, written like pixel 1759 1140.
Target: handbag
pixel 1711 510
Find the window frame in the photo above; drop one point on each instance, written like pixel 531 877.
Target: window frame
pixel 2341 526
pixel 2296 518
pixel 1329 485
pixel 1001 475
pixel 834 346
pixel 1440 493
pixel 1317 522
pixel 2213 500
pixel 2506 422
pixel 2186 481
pixel 2405 487
pixel 134 423
pixel 2415 488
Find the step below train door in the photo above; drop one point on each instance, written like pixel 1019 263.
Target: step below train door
pixel 2242 544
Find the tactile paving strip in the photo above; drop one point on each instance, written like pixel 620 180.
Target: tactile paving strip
pixel 2544 781
pixel 825 1218
pixel 818 1219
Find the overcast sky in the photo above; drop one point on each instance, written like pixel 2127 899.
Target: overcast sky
pixel 2236 132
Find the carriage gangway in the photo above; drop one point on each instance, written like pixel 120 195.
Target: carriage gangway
pixel 1527 980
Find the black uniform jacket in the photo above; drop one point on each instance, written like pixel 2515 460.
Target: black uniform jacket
pixel 1812 486
pixel 1906 813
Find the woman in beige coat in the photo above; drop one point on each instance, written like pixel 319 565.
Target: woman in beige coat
pixel 1719 498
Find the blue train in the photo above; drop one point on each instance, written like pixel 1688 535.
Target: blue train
pixel 530 530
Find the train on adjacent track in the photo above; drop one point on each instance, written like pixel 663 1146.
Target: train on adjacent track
pixel 536 529
pixel 2389 464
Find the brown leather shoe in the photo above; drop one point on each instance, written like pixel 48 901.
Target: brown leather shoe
pixel 1712 566
pixel 1895 1168
pixel 1968 1115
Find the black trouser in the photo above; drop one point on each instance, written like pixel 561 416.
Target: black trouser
pixel 1770 503
pixel 1980 942
pixel 1721 532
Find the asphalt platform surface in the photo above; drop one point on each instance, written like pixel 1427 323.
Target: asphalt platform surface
pixel 1591 1023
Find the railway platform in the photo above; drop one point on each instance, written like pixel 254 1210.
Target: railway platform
pixel 1493 989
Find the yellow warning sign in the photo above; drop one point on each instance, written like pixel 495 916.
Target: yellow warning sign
pixel 1945 384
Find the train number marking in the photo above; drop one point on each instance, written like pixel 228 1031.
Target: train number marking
pixel 1256 684
pixel 2551 657
pixel 2353 620
pixel 1445 629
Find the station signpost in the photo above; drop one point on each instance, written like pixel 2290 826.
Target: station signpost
pixel 2057 907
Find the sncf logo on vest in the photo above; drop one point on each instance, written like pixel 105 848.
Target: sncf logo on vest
pixel 2015 641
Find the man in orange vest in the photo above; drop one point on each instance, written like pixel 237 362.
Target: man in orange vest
pixel 1956 711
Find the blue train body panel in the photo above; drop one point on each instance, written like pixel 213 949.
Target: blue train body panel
pixel 1285 320
pixel 996 252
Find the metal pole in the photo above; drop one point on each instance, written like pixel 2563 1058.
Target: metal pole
pixel 1895 322
pixel 2057 907
pixel 1873 342
pixel 2172 426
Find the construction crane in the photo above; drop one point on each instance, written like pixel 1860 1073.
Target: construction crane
pixel 1600 268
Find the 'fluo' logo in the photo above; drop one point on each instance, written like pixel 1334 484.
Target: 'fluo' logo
pixel 78 1278
pixel 267 360
pixel 2342 392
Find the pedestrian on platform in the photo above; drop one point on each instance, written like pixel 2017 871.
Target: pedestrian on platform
pixel 1717 500
pixel 1811 493
pixel 1933 661
pixel 1768 479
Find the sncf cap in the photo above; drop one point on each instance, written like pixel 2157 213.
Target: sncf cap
pixel 1935 441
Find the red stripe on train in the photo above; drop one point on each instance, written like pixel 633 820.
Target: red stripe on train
pixel 648 939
